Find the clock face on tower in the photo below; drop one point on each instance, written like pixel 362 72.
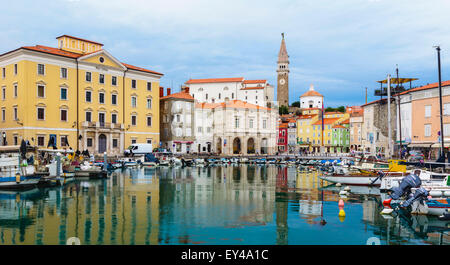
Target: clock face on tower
pixel 282 81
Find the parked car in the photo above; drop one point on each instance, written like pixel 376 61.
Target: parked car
pixel 415 156
pixel 138 149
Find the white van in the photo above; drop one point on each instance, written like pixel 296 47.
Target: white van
pixel 138 149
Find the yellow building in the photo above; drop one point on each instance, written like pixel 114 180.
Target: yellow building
pixel 77 95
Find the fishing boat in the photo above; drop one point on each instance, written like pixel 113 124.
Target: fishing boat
pixel 225 160
pixel 359 178
pixel 243 160
pixel 428 178
pixel 149 160
pixel 234 160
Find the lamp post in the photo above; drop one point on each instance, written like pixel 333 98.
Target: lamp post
pixel 438 49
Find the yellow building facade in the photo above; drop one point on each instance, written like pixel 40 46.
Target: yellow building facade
pixel 77 95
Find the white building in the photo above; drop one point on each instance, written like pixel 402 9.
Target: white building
pixel 311 99
pixel 235 127
pixel 218 90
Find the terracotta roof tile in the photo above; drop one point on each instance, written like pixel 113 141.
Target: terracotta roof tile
pixel 429 86
pixel 254 81
pixel 311 93
pixel 338 127
pixel 215 80
pixel 326 121
pixel 181 95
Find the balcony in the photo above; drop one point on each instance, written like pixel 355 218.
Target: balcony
pixel 102 125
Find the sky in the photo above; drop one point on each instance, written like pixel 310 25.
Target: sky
pixel 341 47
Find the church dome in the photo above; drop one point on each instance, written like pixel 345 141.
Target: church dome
pixel 311 93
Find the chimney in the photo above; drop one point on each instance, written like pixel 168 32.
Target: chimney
pixel 186 89
pixel 161 91
pixel 168 91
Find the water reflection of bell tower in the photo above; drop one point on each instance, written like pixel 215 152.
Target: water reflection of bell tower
pixel 281 205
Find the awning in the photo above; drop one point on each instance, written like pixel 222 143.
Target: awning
pixel 420 144
pixel 438 145
pixel 400 80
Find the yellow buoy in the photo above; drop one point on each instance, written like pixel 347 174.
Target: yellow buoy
pixel 342 213
pixel 17 178
pixel 342 218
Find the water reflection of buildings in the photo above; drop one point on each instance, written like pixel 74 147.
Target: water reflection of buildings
pixel 111 211
pixel 231 196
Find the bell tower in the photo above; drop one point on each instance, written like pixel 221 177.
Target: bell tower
pixel 283 75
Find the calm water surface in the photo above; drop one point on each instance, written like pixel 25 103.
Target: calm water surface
pixel 207 205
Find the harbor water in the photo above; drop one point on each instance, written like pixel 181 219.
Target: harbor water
pixel 233 205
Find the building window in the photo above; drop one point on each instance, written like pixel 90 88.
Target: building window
pixel 250 123
pixel 133 83
pixel 15 114
pixel 63 94
pixel 149 121
pixel 88 96
pixel 149 86
pixel 114 118
pixel 115 143
pixel 101 98
pixel 88 116
pixel 41 91
pixel 63 115
pixel 41 69
pixel 427 130
pixel 63 140
pixel 236 122
pixel 133 102
pixel 3 72
pixel 199 129
pixel 16 140
pixel 149 141
pixel 89 142
pixel 3 93
pixel 149 103
pixel 3 114
pixel 15 69
pixel 427 111
pixel 264 124
pixel 41 114
pixel 16 91
pixel 232 95
pixel 133 120
pixel 101 78
pixel 88 76
pixel 64 73
pixel 114 81
pixel 133 141
pixel 446 109
pixel 114 99
pixel 206 96
pixel 40 140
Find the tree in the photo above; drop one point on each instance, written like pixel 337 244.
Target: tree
pixel 283 110
pixel 341 109
pixel 296 104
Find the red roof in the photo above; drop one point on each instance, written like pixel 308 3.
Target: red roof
pixel 254 81
pixel 432 85
pixel 129 66
pixel 347 121
pixel 326 121
pixel 181 95
pixel 301 117
pixel 215 80
pixel 338 127
pixel 72 37
pixel 59 52
pixel 311 93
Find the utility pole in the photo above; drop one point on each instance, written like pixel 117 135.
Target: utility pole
pixel 399 116
pixel 438 49
pixel 389 114
pixel 366 95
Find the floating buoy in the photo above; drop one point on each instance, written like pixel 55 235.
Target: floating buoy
pixel 387 202
pixel 338 184
pixel 347 188
pixel 341 203
pixel 387 211
pixel 342 218
pixel 341 213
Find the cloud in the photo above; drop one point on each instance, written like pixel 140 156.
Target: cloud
pixel 340 46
